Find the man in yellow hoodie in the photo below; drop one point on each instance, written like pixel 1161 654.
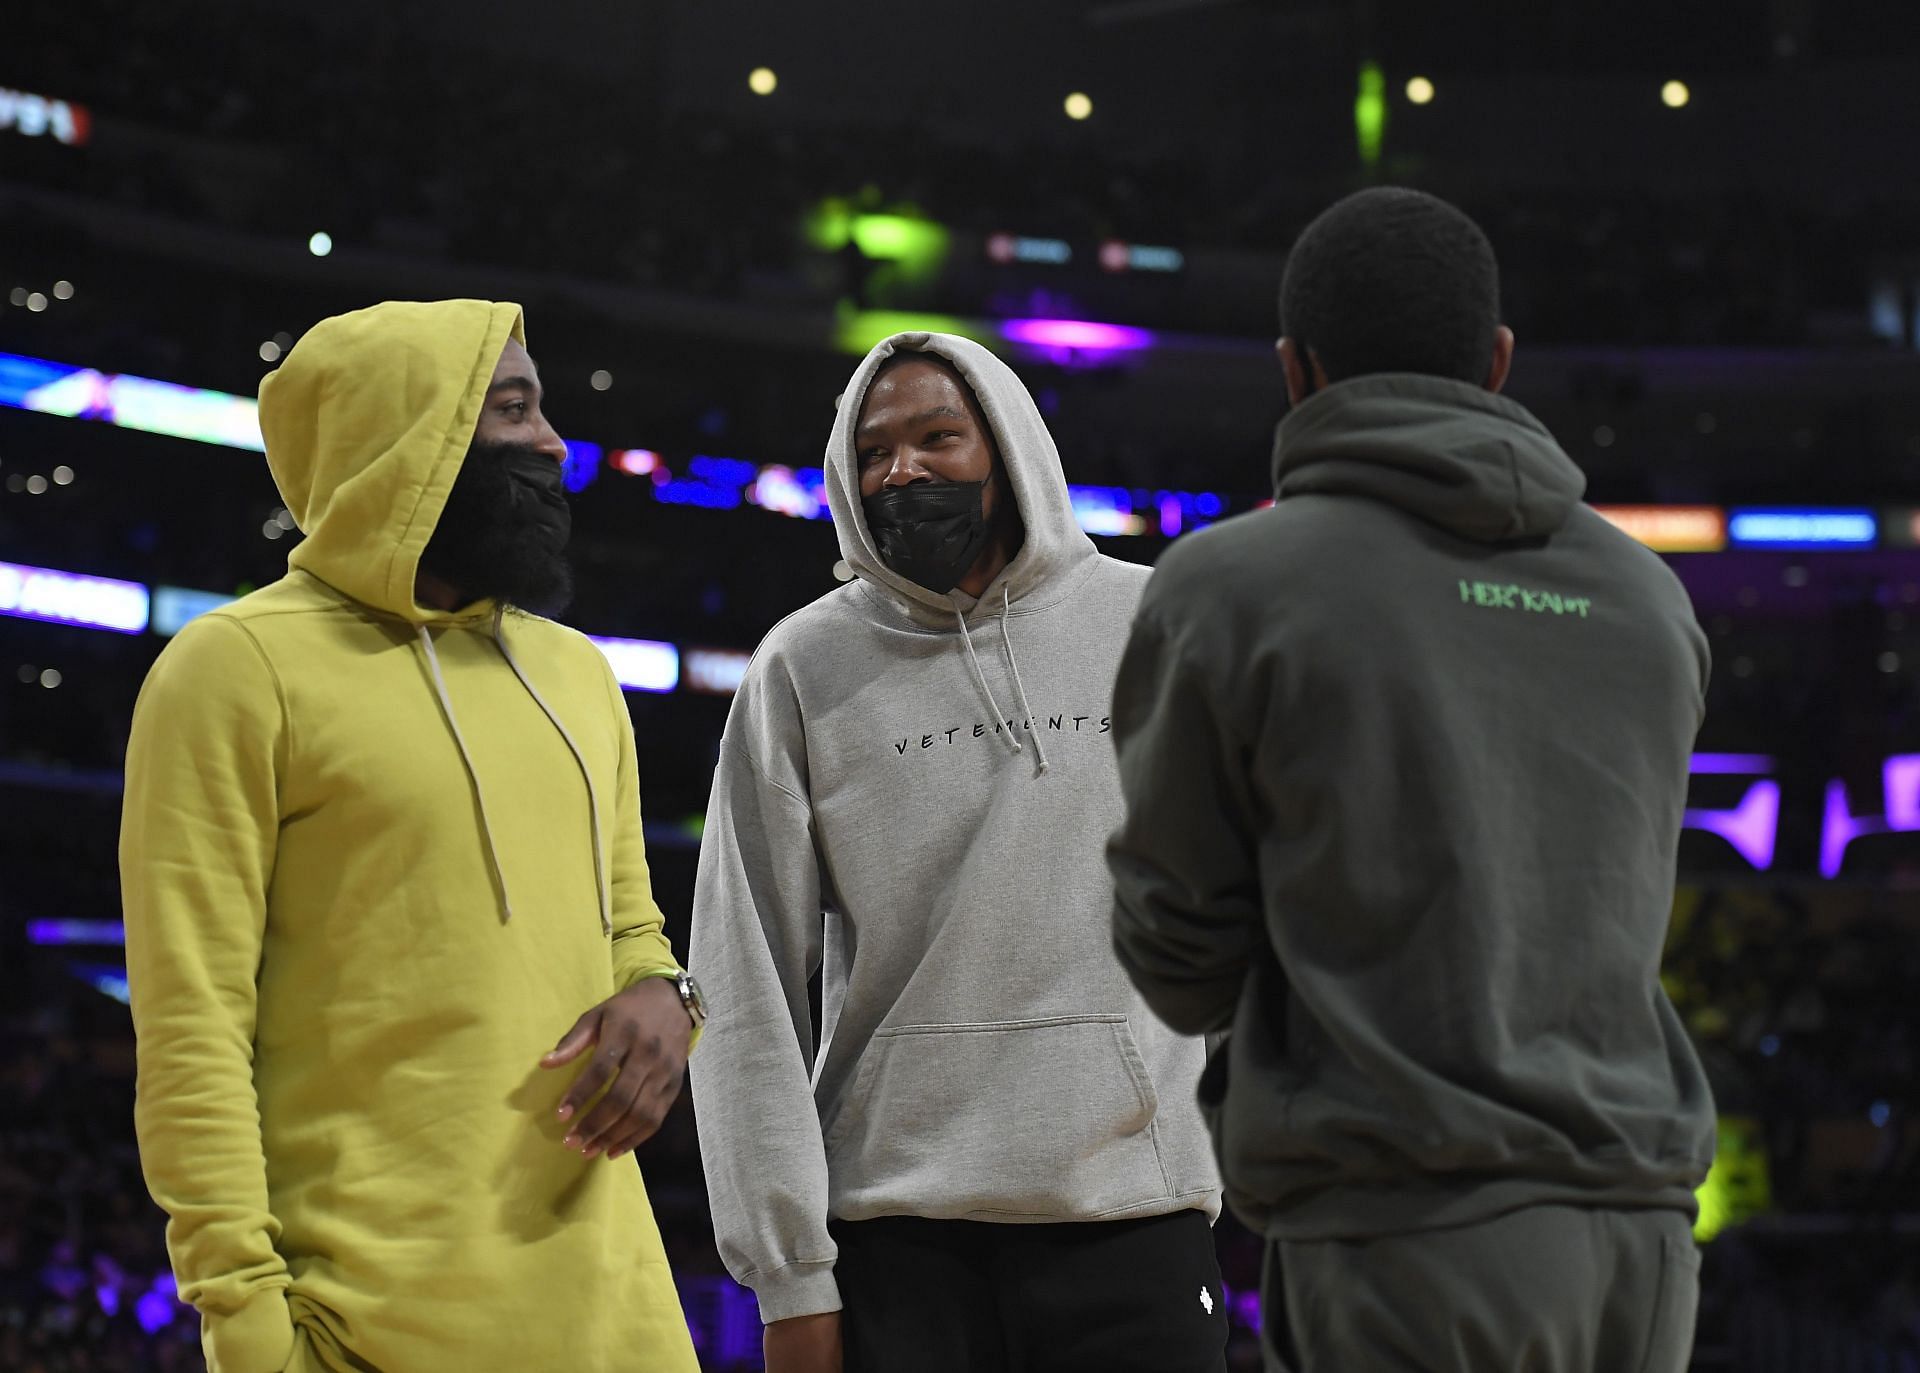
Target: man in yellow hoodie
pixel 381 850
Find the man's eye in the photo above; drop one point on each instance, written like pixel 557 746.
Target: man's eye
pixel 873 455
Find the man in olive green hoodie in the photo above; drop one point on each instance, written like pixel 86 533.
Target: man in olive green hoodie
pixel 1405 759
pixel 381 850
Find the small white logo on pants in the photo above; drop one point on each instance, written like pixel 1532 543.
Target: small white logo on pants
pixel 1206 1299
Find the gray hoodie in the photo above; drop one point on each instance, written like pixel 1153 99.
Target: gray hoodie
pixel 1405 760
pixel 912 798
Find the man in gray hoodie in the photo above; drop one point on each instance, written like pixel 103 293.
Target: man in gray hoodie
pixel 1405 758
pixel 990 1158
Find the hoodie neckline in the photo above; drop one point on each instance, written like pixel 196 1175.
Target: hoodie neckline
pixel 478 615
pixel 1474 463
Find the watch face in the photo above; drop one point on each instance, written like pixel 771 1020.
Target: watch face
pixel 691 994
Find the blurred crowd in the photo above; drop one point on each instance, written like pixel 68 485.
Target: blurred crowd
pixel 1799 1004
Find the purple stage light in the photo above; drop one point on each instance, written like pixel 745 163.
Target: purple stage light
pixel 1839 827
pixel 41 593
pixel 1901 778
pixel 158 1305
pixel 1748 763
pixel 1078 335
pixel 60 932
pixel 1752 827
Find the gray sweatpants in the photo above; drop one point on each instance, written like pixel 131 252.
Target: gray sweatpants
pixel 1548 1289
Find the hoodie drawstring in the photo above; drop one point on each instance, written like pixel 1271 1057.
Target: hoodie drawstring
pixel 1020 691
pixel 981 677
pixel 593 797
pixel 473 774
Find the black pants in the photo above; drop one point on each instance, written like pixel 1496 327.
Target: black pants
pixel 957 1296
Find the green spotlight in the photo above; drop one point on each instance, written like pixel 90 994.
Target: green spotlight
pixel 918 245
pixel 1370 113
pixel 1738 1185
pixel 829 224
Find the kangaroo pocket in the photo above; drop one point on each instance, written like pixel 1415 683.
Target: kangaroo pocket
pixel 1017 1120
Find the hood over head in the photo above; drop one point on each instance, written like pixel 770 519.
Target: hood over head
pixel 1054 539
pixel 1457 455
pixel 366 424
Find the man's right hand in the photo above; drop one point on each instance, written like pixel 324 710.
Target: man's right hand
pixel 804 1344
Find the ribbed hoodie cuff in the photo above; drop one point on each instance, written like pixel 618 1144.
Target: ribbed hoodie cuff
pixel 804 1288
pixel 258 1338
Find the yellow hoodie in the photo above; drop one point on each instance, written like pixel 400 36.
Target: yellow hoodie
pixel 376 859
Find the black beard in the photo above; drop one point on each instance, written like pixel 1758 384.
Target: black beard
pixel 503 534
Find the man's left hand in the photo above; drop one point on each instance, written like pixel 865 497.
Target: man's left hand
pixel 639 1040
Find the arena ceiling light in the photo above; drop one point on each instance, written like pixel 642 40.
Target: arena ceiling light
pixel 156 407
pixel 714 671
pixel 641 664
pixel 56 388
pixel 1670 528
pixel 174 606
pixel 1079 106
pixel 1675 95
pixel 1005 248
pixel 1116 255
pixel 1420 91
pixel 1795 527
pixel 762 81
pixel 68 598
pixel 41 116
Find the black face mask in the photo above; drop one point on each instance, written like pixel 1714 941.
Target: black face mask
pixel 930 532
pixel 503 533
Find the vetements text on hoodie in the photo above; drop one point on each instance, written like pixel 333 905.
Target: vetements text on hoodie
pixel 1060 724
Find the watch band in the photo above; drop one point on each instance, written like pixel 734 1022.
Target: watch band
pixel 691 997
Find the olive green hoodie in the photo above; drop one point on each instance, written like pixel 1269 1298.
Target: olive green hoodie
pixel 376 859
pixel 1405 759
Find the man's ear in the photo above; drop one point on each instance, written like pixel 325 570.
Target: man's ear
pixel 1502 359
pixel 1298 365
pixel 1291 368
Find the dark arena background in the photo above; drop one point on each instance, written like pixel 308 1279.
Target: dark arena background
pixel 1709 228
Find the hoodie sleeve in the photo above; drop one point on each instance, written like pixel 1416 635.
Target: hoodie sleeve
pixel 640 945
pixel 197 842
pixel 1187 914
pixel 757 932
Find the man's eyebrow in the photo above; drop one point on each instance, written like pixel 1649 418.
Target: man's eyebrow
pixel 937 412
pixel 509 383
